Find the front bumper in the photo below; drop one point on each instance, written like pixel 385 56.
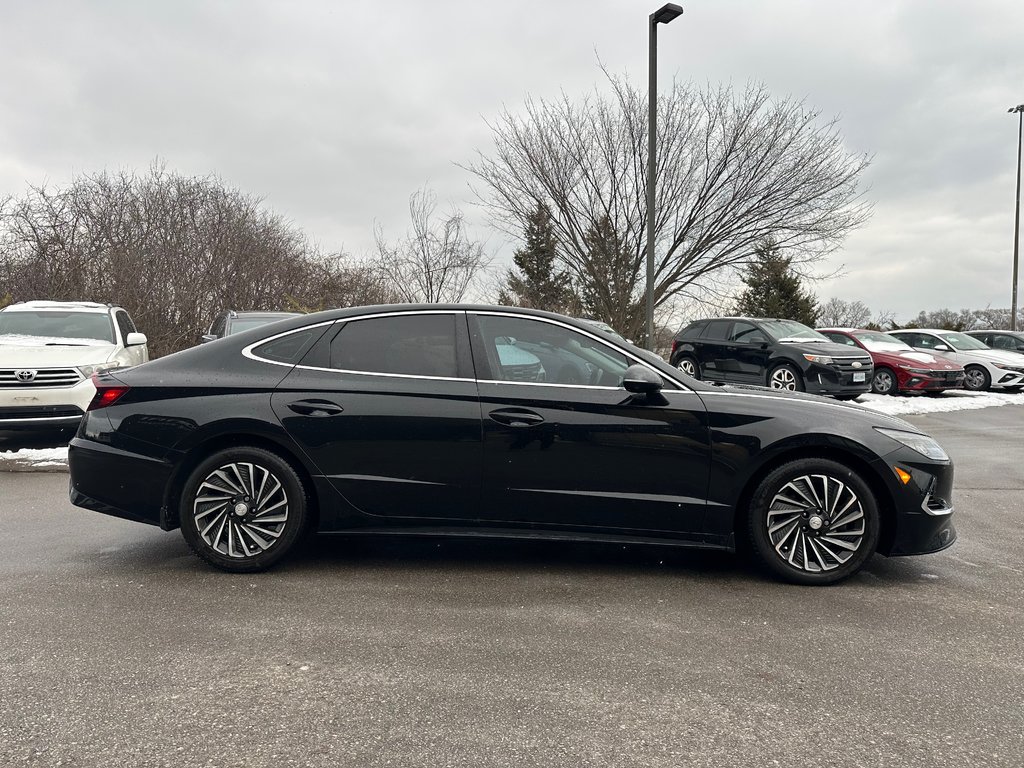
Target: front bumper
pixel 927 382
pixel 826 380
pixel 923 519
pixel 30 414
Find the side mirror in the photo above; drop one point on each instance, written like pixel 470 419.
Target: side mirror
pixel 207 338
pixel 135 339
pixel 641 380
pixel 941 348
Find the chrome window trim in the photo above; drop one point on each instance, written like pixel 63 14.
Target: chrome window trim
pixel 247 352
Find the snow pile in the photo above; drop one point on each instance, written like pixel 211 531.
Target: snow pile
pixel 34 458
pixel 954 400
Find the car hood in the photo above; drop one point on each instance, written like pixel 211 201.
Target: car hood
pixel 830 349
pixel 874 418
pixel 918 359
pixel 994 355
pixel 42 352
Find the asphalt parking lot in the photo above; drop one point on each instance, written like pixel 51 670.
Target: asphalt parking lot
pixel 118 648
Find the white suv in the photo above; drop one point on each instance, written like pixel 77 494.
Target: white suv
pixel 48 353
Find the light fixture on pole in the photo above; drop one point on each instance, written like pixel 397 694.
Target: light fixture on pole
pixel 1019 109
pixel 663 15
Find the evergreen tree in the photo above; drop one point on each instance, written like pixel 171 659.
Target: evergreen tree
pixel 535 282
pixel 610 285
pixel 774 289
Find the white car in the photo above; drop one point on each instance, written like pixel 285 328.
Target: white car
pixel 49 351
pixel 984 367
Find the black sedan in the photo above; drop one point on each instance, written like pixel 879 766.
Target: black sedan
pixel 780 354
pixel 403 419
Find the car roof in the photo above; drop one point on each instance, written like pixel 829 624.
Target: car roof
pixel 63 306
pixel 995 330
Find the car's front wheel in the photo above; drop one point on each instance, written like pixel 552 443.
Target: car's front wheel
pixel 976 378
pixel 884 382
pixel 785 377
pixel 813 521
pixel 242 509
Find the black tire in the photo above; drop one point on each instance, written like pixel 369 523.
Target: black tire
pixel 785 377
pixel 884 381
pixel 796 550
pixel 977 379
pixel 689 365
pixel 248 521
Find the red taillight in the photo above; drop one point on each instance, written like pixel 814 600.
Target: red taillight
pixel 106 394
pixel 675 346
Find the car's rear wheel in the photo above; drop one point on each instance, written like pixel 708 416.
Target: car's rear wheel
pixel 976 378
pixel 813 521
pixel 688 365
pixel 242 509
pixel 785 376
pixel 884 382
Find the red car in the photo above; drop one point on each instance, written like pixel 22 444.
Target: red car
pixel 898 366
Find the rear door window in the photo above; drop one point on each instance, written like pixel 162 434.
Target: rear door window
pixel 717 330
pixel 405 345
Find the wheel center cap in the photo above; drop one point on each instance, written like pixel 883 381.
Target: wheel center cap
pixel 816 522
pixel 241 509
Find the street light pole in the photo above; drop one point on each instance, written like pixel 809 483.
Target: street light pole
pixel 663 15
pixel 1019 109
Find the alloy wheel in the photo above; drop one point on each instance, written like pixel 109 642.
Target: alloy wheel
pixel 816 523
pixel 974 378
pixel 883 383
pixel 240 509
pixel 686 366
pixel 783 378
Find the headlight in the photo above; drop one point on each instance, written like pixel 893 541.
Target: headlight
pixel 923 371
pixel 916 441
pixel 1007 367
pixel 820 359
pixel 89 370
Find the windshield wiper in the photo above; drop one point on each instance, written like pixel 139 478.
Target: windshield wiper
pixel 63 344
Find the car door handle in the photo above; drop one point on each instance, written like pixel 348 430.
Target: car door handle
pixel 516 418
pixel 315 408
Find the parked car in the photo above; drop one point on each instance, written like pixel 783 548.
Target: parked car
pixel 403 419
pixel 984 368
pixel 898 367
pixel 781 354
pixel 230 322
pixel 49 351
pixel 1011 341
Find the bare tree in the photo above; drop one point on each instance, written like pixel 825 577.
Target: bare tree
pixel 837 313
pixel 173 250
pixel 733 169
pixel 436 262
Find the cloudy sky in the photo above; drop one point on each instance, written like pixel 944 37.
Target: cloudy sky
pixel 336 111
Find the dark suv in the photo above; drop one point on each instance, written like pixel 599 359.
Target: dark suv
pixel 231 322
pixel 1012 341
pixel 781 354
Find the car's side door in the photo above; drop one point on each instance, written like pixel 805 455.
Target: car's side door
pixel 749 348
pixel 585 456
pixel 715 361
pixel 386 407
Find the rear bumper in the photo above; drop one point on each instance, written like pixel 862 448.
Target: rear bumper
pixel 116 482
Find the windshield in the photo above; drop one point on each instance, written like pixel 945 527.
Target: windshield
pixel 876 341
pixel 961 341
pixel 52 324
pixel 791 330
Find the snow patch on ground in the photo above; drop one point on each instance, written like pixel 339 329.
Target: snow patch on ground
pixel 944 403
pixel 29 459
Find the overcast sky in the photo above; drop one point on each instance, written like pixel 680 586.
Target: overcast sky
pixel 336 111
